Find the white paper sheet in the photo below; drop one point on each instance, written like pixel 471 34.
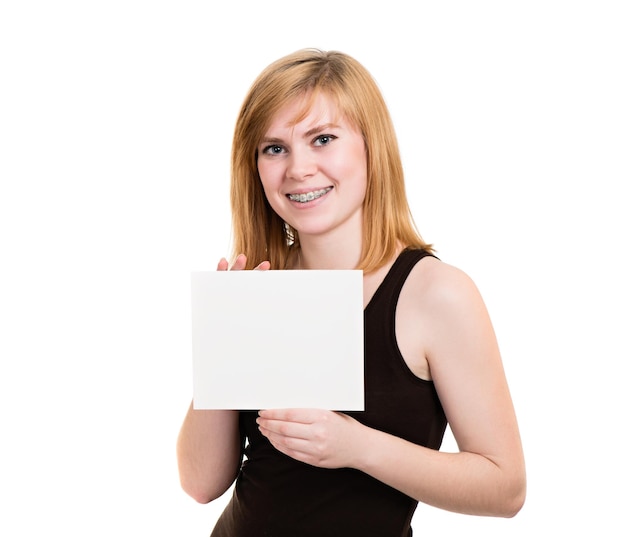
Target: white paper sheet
pixel 278 339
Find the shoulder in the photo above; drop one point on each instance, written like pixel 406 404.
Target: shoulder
pixel 447 304
pixel 440 318
pixel 438 285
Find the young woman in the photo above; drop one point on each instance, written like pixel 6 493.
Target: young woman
pixel 317 183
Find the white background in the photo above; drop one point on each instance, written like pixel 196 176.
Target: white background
pixel 115 127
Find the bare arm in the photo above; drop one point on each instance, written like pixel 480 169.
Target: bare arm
pixel 209 452
pixel 487 475
pixel 209 447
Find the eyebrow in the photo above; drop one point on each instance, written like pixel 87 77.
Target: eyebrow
pixel 315 130
pixel 321 128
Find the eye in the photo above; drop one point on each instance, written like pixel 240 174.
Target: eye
pixel 324 139
pixel 272 150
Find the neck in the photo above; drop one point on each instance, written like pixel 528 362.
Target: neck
pixel 328 254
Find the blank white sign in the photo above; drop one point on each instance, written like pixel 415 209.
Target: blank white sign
pixel 278 339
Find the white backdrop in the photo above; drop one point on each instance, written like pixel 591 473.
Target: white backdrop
pixel 115 127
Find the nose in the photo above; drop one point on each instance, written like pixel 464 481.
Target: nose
pixel 301 165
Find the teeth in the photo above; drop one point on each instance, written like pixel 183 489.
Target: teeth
pixel 309 196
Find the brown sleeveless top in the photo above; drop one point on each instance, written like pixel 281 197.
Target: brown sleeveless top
pixel 278 496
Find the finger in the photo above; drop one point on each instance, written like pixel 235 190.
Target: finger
pixel 293 447
pixel 284 428
pixel 240 262
pixel 264 265
pixel 300 415
pixel 223 264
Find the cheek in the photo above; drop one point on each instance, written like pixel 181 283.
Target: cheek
pixel 265 176
pixel 354 166
pixel 271 183
pixel 269 172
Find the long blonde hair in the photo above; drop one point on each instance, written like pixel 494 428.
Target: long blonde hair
pixel 258 231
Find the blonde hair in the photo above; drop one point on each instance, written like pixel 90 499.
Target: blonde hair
pixel 258 231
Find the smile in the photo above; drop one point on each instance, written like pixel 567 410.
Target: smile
pixel 309 196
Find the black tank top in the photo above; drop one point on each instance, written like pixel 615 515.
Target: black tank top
pixel 278 496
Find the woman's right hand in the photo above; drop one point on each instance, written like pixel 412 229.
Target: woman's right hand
pixel 240 264
pixel 209 442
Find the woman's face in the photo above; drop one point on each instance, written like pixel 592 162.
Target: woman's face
pixel 314 172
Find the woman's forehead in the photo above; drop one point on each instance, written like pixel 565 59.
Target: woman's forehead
pixel 312 107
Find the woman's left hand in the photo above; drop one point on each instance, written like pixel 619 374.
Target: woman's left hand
pixel 318 437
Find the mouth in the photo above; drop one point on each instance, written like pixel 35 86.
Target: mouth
pixel 306 197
